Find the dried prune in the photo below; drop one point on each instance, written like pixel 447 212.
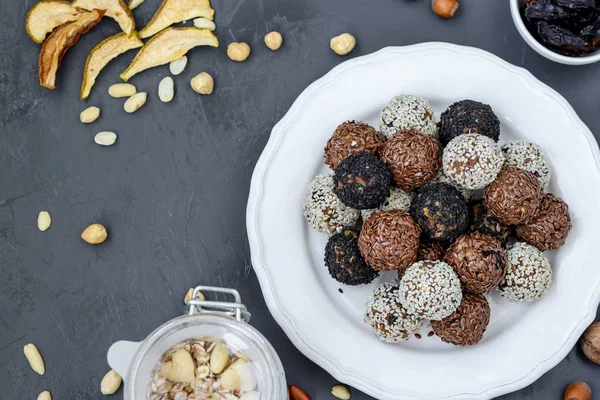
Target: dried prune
pixel 562 39
pixel 547 11
pixel 578 4
pixel 592 30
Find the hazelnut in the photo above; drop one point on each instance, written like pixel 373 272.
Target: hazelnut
pixel 578 391
pixel 343 44
pixel 273 40
pixel 94 234
pixel 203 83
pixel 238 51
pixel 444 8
pixel 590 342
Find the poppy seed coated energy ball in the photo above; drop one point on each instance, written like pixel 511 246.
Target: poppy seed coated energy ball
pixel 413 159
pixel 441 212
pixel 343 259
pixel 430 290
pixel 548 230
pixel 514 196
pixel 362 181
pixel 352 137
pixel 530 157
pixel 465 326
pixel 528 275
pixel 479 260
pixel 323 210
pixel 397 200
pixel 387 317
pixel 405 113
pixel 480 220
pixel 389 240
pixel 472 161
pixel 468 116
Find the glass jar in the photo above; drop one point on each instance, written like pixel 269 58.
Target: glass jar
pixel 221 321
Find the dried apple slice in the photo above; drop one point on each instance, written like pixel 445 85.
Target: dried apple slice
pixel 172 11
pixel 115 9
pixel 60 41
pixel 102 54
pixel 46 15
pixel 168 45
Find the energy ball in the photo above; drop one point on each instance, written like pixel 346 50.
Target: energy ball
pixel 441 212
pixel 480 220
pixel 389 240
pixel 352 137
pixel 397 200
pixel 343 259
pixel 430 290
pixel 548 230
pixel 413 159
pixel 472 161
pixel 514 197
pixel 441 177
pixel 468 116
pixel 465 326
pixel 387 317
pixel 362 181
pixel 430 252
pixel 323 210
pixel 405 113
pixel 530 157
pixel 479 260
pixel 528 275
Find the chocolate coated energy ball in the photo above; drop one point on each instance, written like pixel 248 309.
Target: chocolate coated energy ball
pixel 344 261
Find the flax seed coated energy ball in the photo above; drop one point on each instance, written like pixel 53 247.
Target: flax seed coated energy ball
pixel 397 200
pixel 548 230
pixel 514 196
pixel 389 240
pixel 479 261
pixel 441 212
pixel 413 159
pixel 528 274
pixel 430 290
pixel 465 326
pixel 405 113
pixel 480 220
pixel 323 210
pixel 343 259
pixel 468 116
pixel 530 157
pixel 387 317
pixel 362 181
pixel 472 161
pixel 428 251
pixel 352 137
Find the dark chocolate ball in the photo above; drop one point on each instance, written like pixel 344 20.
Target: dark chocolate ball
pixel 550 227
pixel 352 137
pixel 480 220
pixel 441 212
pixel 468 116
pixel 465 326
pixel 362 181
pixel 344 261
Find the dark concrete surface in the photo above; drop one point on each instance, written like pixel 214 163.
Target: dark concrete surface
pixel 173 190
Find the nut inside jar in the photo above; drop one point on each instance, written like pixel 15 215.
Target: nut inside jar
pixel 204 369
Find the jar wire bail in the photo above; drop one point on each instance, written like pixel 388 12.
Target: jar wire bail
pixel 236 309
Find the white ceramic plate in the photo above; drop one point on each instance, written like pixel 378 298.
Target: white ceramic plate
pixel 522 341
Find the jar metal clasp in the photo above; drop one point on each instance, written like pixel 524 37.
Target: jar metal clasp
pixel 234 309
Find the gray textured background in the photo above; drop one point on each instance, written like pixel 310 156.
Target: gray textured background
pixel 173 190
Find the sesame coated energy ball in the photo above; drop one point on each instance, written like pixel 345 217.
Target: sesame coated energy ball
pixel 468 116
pixel 387 317
pixel 362 181
pixel 480 220
pixel 548 230
pixel 472 161
pixel 397 200
pixel 413 159
pixel 323 210
pixel 352 137
pixel 465 326
pixel 389 240
pixel 530 157
pixel 479 260
pixel 441 177
pixel 405 113
pixel 343 259
pixel 514 197
pixel 528 274
pixel 430 290
pixel 441 212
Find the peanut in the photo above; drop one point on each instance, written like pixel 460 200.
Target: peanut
pixel 135 102
pixel 110 383
pixel 89 115
pixel 340 392
pixel 219 358
pixel 44 221
pixel 166 89
pixel 189 294
pixel 35 358
pixel 177 66
pixel 122 90
pixel 45 395
pixel 204 23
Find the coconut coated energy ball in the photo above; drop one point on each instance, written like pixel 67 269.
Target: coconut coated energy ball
pixel 528 274
pixel 323 210
pixel 529 157
pixel 465 326
pixel 548 230
pixel 397 200
pixel 344 262
pixel 430 290
pixel 468 116
pixel 405 113
pixel 352 137
pixel 387 317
